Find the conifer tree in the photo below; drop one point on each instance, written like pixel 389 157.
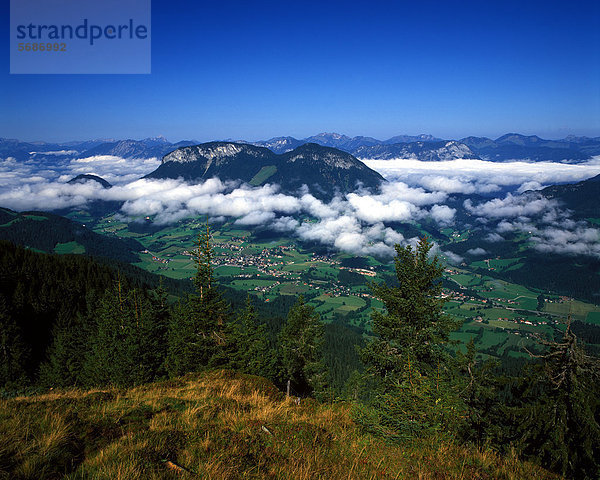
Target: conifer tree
pixel 414 329
pixel 408 359
pixel 558 420
pixel 250 351
pixel 479 393
pixel 155 317
pixel 113 346
pixel 301 343
pixel 64 365
pixel 197 333
pixel 13 352
pixel 181 353
pixel 126 347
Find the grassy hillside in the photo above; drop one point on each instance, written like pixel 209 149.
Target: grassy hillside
pixel 217 425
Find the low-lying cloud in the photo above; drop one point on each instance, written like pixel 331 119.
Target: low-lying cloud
pixel 483 177
pixel 549 226
pixel 359 223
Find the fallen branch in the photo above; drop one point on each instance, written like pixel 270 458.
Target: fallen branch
pixel 178 468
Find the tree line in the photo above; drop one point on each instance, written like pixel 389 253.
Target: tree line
pixel 72 321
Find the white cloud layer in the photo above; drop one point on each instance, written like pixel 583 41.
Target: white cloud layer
pixel 480 176
pixel 550 227
pixel 357 223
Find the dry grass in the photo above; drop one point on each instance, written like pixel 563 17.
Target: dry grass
pixel 217 425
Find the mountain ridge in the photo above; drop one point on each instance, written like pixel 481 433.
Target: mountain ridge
pixel 510 146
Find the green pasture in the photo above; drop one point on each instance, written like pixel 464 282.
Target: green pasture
pixel 234 233
pixel 579 310
pixel 251 283
pixel 263 174
pixel 37 218
pixel 226 270
pixel 292 289
pixel 593 317
pixel 69 247
pixel 498 263
pixel 355 302
pixel 14 220
pixel 466 280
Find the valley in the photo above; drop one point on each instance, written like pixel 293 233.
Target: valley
pixel 503 318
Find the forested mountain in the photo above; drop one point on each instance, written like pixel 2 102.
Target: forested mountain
pixel 51 302
pixel 583 198
pixel 83 178
pixel 324 170
pixel 48 232
pixel 38 291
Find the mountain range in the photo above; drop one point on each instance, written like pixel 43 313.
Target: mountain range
pixel 512 146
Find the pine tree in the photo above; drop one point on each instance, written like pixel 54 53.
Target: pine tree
pixel 408 359
pixel 197 333
pixel 153 327
pixel 249 349
pixel 64 365
pixel 413 331
pixel 181 352
pixel 126 346
pixel 301 343
pixel 558 421
pixel 13 351
pixel 479 393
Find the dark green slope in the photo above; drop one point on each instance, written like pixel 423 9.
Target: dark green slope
pixel 583 197
pixel 325 169
pixel 37 288
pixel 44 231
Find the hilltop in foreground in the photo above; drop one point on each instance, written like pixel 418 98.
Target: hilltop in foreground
pixel 217 425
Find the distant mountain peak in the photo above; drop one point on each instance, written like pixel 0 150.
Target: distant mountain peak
pixel 423 137
pixel 334 135
pixel 318 153
pixel 158 140
pixel 212 151
pixel 519 139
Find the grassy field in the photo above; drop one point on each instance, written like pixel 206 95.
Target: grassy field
pixel 219 425
pixel 498 263
pixel 593 317
pixel 342 304
pixel 263 175
pixel 251 284
pixel 578 310
pixel 69 247
pixel 292 289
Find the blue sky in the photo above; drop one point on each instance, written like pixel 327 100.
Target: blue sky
pixel 255 70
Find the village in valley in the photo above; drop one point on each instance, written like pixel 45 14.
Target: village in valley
pixel 502 317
